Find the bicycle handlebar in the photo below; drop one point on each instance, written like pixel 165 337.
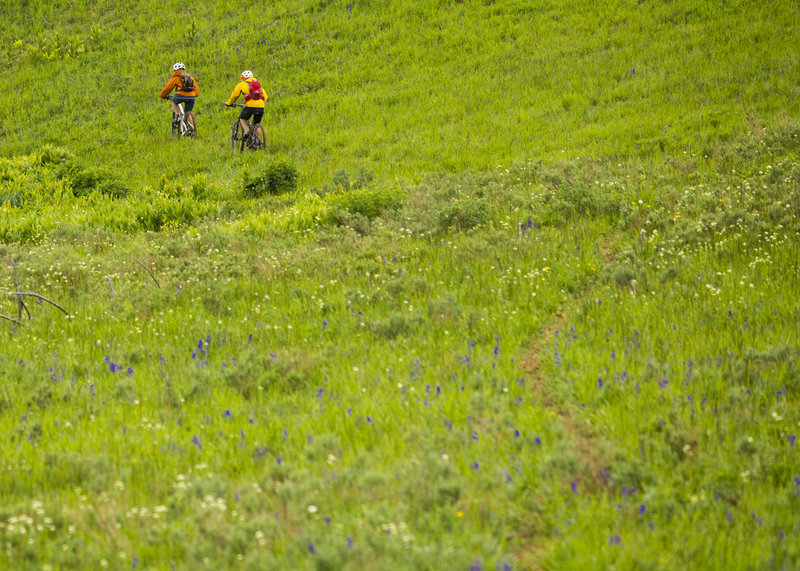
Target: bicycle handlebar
pixel 234 105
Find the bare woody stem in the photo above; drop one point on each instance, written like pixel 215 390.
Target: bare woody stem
pixel 39 297
pixel 158 285
pixel 20 304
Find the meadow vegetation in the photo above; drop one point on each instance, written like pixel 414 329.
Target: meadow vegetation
pixel 515 285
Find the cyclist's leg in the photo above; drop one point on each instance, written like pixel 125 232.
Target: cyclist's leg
pixel 244 118
pixel 176 118
pixel 188 104
pixel 258 128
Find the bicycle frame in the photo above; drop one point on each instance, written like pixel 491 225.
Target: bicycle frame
pixel 252 141
pixel 180 126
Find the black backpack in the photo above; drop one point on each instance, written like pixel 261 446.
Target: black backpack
pixel 187 82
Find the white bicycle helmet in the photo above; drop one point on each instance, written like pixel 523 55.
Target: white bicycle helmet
pixel 247 74
pixel 178 66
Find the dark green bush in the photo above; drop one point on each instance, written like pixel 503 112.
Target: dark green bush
pixel 341 182
pixel 369 202
pixel 622 274
pixel 397 324
pixel 277 178
pixel 87 180
pixel 463 215
pixel 566 202
pixel 283 373
pixel 12 199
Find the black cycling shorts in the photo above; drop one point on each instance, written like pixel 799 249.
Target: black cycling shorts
pixel 255 112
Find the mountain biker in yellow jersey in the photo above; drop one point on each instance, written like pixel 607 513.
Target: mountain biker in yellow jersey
pixel 187 92
pixel 254 98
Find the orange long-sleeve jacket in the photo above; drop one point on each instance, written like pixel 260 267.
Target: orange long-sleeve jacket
pixel 175 82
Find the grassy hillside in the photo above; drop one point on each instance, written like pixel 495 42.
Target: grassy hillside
pixel 515 285
pixel 401 88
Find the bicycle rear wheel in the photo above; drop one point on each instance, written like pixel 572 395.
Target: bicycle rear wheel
pixel 257 138
pixel 188 129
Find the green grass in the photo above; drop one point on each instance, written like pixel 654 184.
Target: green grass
pixel 402 88
pixel 514 285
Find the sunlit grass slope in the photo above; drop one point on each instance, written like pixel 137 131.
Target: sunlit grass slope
pixel 515 285
pixel 399 87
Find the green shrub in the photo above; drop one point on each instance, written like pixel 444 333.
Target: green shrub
pixel 277 178
pixel 281 373
pixel 340 182
pixel 368 202
pixel 87 180
pixel 463 215
pixel 396 325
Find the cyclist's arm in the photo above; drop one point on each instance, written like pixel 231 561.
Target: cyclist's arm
pixel 235 95
pixel 168 87
pixel 196 87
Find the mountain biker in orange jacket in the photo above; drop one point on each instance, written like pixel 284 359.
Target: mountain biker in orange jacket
pixel 187 92
pixel 253 107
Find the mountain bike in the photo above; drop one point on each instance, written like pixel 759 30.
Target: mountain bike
pixel 254 139
pixel 180 126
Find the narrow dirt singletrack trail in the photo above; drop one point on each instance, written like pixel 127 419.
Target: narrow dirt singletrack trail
pixel 590 474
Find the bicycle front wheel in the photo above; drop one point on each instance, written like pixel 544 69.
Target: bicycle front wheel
pixel 176 126
pixel 236 135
